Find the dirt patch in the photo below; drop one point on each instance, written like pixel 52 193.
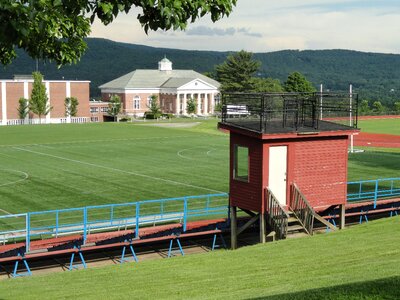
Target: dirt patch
pixel 377 140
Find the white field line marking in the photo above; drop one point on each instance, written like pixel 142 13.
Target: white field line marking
pixel 179 153
pixel 26 176
pixel 118 170
pixel 104 140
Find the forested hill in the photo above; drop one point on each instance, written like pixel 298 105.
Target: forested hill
pixel 375 76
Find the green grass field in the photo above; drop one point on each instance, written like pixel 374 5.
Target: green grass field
pixel 62 166
pixel 361 262
pixel 388 126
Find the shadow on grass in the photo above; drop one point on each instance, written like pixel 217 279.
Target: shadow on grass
pixel 387 288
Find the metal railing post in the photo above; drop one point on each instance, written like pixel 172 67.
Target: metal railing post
pixel 28 233
pixel 57 221
pixel 84 224
pixel 137 220
pixel 376 193
pixel 184 213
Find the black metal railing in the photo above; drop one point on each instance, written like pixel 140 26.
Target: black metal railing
pixel 277 217
pixel 285 112
pixel 302 209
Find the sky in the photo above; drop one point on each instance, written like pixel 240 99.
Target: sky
pixel 272 25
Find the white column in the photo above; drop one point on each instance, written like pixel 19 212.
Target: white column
pixel 177 104
pixel 205 106
pixel 184 104
pixel 212 104
pixel 67 95
pixel 48 102
pixel 198 104
pixel 3 103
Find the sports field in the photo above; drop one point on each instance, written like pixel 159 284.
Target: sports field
pixel 61 166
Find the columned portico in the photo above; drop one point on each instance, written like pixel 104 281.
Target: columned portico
pixel 205 105
pixel 184 111
pixel 212 104
pixel 177 104
pixel 199 104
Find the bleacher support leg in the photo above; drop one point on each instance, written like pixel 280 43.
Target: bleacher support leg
pixel 215 240
pixel 134 257
pixel 342 216
pixel 71 264
pixel 170 247
pixel 15 272
pixel 233 227
pixel 263 228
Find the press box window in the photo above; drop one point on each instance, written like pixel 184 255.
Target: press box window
pixel 241 166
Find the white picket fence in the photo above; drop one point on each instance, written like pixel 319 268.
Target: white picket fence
pixel 45 121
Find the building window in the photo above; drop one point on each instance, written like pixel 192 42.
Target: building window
pixel 104 109
pixel 149 101
pixel 136 102
pixel 94 110
pixel 241 163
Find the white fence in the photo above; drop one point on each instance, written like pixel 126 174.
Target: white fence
pixel 45 121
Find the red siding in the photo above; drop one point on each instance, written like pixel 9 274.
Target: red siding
pixel 318 165
pixel 247 195
pixel 319 168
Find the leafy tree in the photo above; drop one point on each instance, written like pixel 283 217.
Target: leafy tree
pixel 364 108
pixel 236 72
pixel 155 109
pixel 377 107
pixel 23 107
pixel 218 107
pixel 39 102
pixel 266 85
pixel 114 106
pixel 55 29
pixel 191 106
pixel 396 107
pixel 71 106
pixel 296 82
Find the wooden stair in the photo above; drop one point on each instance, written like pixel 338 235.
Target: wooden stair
pixel 295 228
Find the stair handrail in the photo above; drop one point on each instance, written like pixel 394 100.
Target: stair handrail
pixel 277 217
pixel 302 209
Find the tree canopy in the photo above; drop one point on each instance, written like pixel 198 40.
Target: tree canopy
pixel 39 102
pixel 236 73
pixel 55 29
pixel 296 82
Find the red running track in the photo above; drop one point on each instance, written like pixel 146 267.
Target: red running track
pixel 377 140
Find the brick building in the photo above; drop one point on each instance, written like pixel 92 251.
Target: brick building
pixel 172 87
pixel 11 90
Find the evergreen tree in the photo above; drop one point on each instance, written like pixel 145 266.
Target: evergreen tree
pixel 23 108
pixel 39 102
pixel 296 82
pixel 236 72
pixel 71 106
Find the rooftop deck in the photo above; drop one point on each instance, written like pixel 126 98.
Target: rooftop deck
pixel 290 112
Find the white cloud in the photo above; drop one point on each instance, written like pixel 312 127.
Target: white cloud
pixel 261 26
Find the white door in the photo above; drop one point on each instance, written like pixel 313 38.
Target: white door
pixel 278 172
